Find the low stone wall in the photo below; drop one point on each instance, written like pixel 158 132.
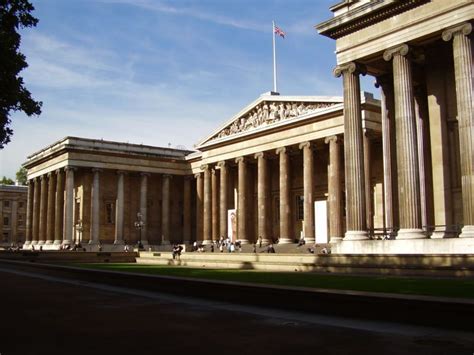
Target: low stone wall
pixel 69 256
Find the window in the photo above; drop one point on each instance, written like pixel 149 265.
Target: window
pixel 6 220
pixel 299 208
pixel 20 219
pixel 6 203
pixel 5 237
pixel 21 204
pixel 110 212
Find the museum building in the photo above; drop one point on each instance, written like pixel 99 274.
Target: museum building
pixel 395 176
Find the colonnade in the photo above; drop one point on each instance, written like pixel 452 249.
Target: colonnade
pixel 212 204
pixel 399 104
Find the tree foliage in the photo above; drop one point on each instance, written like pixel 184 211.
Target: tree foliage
pixel 6 181
pixel 14 15
pixel 21 176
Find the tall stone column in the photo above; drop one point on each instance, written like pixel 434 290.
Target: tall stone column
pixel 462 53
pixel 223 200
pixel 207 222
pixel 262 198
pixel 353 153
pixel 285 206
pixel 407 149
pixel 368 181
pixel 43 209
pixel 59 208
pixel 36 208
pixel 51 208
pixel 199 207
pixel 95 207
pixel 385 83
pixel 29 212
pixel 69 207
pixel 119 207
pixel 334 189
pixel 242 201
pixel 144 207
pixel 214 207
pixel 187 209
pixel 308 191
pixel 165 210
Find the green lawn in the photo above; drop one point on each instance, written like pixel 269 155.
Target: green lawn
pixel 458 287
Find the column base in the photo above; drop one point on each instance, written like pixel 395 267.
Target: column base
pixel 34 242
pixel 467 232
pixel 207 242
pixel 118 242
pixel 49 241
pixel 309 240
pixel 66 242
pixel 243 241
pixel 57 242
pixel 93 242
pixel 441 233
pixel 41 242
pixel 27 242
pixel 285 241
pixel 411 234
pixel 356 235
pixel 335 240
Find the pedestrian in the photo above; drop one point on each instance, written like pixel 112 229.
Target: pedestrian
pixel 254 248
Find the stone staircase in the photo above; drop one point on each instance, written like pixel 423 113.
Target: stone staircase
pixel 415 265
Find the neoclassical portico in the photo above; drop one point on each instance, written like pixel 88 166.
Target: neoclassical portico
pixel 422 63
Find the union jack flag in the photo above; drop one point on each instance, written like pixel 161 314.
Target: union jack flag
pixel 279 31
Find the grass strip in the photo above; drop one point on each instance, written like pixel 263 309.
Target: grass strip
pixel 456 287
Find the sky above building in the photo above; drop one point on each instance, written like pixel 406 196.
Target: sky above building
pixel 163 73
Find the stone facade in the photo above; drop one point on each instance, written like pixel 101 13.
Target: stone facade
pixel 13 214
pixel 420 54
pixel 92 191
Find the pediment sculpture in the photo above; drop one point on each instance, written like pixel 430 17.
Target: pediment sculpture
pixel 269 112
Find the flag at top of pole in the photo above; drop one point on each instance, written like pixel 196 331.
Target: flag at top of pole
pixel 276 31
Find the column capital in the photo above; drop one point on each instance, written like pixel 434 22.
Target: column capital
pixel 43 177
pixel 168 176
pixel 69 168
pixel 204 167
pixel 351 68
pixel 306 144
pixel 96 170
pixel 213 171
pixel 121 172
pixel 398 50
pixel 50 174
pixel 145 174
pixel 197 175
pixel 281 150
pixel 464 29
pixel 221 164
pixel 260 155
pixel 332 139
pixel 240 159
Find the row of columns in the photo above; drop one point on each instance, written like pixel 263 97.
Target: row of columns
pixel 409 147
pixel 212 202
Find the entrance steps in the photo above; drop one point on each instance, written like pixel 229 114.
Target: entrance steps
pixel 409 265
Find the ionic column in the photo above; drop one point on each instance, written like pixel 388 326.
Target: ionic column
pixel 187 209
pixel 29 212
pixel 51 207
pixel 334 189
pixel 95 207
pixel 214 208
pixel 462 52
pixel 223 200
pixel 308 187
pixel 285 208
pixel 242 201
pixel 199 207
pixel 262 197
pixel 353 154
pixel 165 210
pixel 368 181
pixel 144 206
pixel 59 208
pixel 43 209
pixel 407 149
pixel 119 208
pixel 386 92
pixel 36 207
pixel 69 207
pixel 207 221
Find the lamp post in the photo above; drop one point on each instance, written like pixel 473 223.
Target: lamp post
pixel 139 224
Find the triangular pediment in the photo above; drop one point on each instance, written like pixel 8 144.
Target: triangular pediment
pixel 268 111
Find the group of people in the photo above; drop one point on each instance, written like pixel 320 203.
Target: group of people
pixel 177 249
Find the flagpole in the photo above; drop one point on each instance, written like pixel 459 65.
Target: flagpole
pixel 274 60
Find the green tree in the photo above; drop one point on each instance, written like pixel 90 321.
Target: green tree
pixel 14 15
pixel 7 181
pixel 21 176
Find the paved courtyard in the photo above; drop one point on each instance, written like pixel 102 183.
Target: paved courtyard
pixel 51 315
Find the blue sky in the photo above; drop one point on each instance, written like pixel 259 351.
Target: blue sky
pixel 162 72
